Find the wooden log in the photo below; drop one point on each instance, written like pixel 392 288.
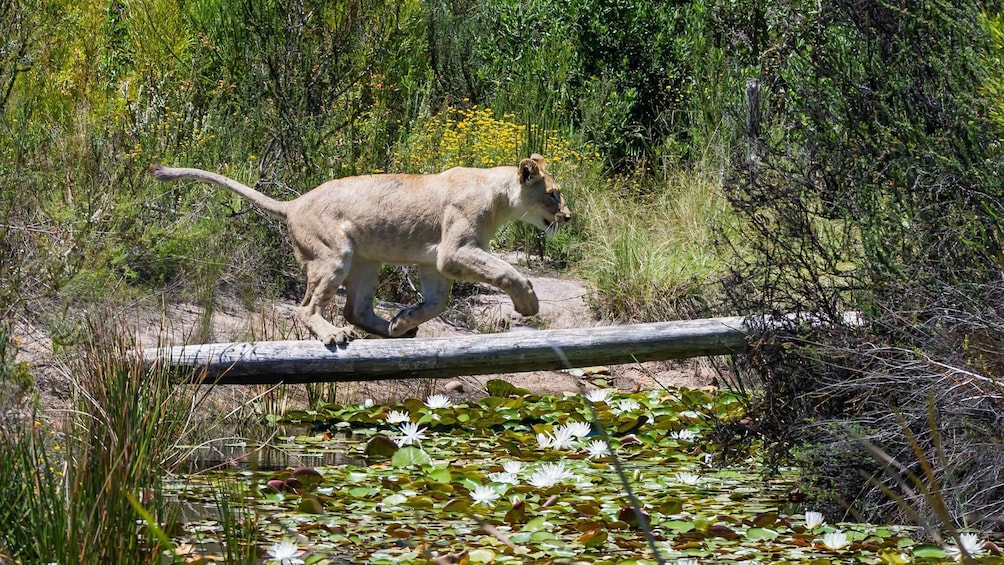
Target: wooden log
pixel 271 362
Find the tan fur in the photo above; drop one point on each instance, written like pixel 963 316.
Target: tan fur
pixel 345 229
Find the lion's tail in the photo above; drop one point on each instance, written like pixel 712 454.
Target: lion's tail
pixel 270 206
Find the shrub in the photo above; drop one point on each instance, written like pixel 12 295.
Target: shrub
pixel 874 185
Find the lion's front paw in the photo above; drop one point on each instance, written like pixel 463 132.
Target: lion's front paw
pixel 527 305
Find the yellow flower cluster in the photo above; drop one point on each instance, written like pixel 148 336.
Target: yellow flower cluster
pixel 475 137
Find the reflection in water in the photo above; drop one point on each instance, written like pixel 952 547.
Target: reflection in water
pixel 281 454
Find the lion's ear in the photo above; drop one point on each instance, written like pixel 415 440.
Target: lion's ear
pixel 539 159
pixel 528 168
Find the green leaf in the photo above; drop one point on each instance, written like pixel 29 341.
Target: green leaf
pixel 440 475
pixel 680 526
pixel 929 551
pixel 481 555
pixel 504 389
pixel 410 456
pixel 395 499
pixel 754 534
pixel 310 505
pixel 535 525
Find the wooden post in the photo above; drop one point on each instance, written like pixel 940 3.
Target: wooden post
pixel 271 362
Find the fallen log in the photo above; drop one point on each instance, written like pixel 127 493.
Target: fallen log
pixel 307 361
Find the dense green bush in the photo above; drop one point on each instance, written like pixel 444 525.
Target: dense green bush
pixel 873 184
pixel 641 81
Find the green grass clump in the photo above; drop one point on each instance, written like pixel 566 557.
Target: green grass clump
pixel 652 256
pixel 68 482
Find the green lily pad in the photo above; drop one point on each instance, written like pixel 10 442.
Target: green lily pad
pixel 929 551
pixel 409 456
pixel 310 505
pixel 754 534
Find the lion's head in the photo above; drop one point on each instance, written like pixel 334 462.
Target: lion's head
pixel 541 196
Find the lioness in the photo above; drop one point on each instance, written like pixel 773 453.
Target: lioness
pixel 343 230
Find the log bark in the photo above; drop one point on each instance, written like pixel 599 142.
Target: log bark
pixel 272 362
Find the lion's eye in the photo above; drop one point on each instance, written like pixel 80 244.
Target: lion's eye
pixel 555 197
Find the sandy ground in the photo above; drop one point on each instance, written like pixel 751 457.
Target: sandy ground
pixel 563 305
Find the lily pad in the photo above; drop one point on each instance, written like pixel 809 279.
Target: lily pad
pixel 410 456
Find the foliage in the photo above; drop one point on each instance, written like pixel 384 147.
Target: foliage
pixel 475 137
pixel 68 486
pixel 625 74
pixel 651 256
pixel 873 184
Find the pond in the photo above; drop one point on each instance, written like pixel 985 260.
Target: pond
pixel 517 479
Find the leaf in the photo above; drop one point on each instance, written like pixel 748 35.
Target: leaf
pixel 393 500
pixel 442 475
pixel 481 555
pixel 628 515
pixel 307 476
pixel 516 514
pixel 680 526
pixel 754 534
pixel 420 502
pixel 457 505
pixel 310 505
pixel 410 455
pixel 929 551
pixel 535 525
pixel 380 447
pixel 765 519
pixel 723 532
pixel 670 506
pixel 504 389
pixel 586 508
pixel 593 538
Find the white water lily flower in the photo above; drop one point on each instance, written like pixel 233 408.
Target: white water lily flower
pixel 513 467
pixel 686 561
pixel 438 401
pixel 970 542
pixel 598 395
pixel 410 433
pixel 597 448
pixel 835 540
pixel 509 478
pixel 398 417
pixel 813 520
pixel 687 478
pixel 484 494
pixel 285 552
pixel 683 435
pixel 579 429
pixel 544 440
pixel 368 403
pixel 626 405
pixel 562 438
pixel 549 474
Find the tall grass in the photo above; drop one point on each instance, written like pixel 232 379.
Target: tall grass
pixel 652 256
pixel 68 481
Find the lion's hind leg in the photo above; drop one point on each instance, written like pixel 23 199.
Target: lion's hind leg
pixel 324 275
